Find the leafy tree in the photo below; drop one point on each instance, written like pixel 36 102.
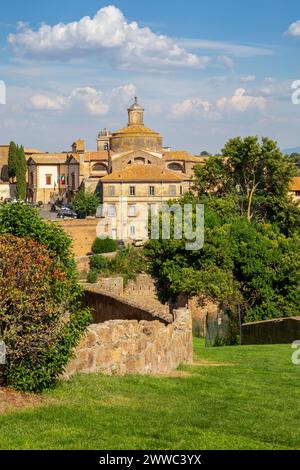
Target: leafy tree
pixel 243 262
pixel 21 170
pixel 295 157
pixel 251 252
pixel 250 169
pixel 204 153
pixel 12 157
pixel 86 202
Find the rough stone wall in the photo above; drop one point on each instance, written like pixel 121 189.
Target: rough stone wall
pixel 4 190
pixel 276 331
pixel 199 311
pixel 108 306
pixel 143 283
pixel 135 347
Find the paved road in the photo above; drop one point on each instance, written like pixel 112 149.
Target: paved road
pixel 46 214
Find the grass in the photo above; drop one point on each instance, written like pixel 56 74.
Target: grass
pixel 251 401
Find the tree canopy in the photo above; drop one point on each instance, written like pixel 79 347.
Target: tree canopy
pixel 251 252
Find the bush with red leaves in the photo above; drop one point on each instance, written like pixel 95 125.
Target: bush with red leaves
pixel 38 323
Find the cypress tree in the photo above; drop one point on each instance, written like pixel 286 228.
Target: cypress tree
pixel 21 170
pixel 12 160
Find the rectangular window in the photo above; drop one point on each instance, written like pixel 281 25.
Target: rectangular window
pixel 111 210
pixel 181 190
pixel 131 210
pixel 172 190
pixel 48 180
pixel 132 231
pixel 132 190
pixel 151 191
pixel 111 191
pixel 32 178
pixel 297 193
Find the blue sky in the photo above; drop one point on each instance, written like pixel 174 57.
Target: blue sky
pixel 204 70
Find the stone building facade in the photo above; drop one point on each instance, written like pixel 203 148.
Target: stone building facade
pixel 135 152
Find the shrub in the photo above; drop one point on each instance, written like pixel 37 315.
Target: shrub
pixel 92 276
pixel 99 263
pixel 104 245
pixel 128 263
pixel 24 221
pixel 86 202
pixel 39 321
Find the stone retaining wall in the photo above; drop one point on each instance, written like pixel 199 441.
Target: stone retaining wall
pixel 108 306
pixel 135 347
pixel 276 331
pixel 83 233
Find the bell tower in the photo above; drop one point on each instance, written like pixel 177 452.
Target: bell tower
pixel 135 114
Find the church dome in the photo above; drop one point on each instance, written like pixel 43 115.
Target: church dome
pixel 135 106
pixel 136 135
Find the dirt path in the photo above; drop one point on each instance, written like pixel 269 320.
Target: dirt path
pixel 10 400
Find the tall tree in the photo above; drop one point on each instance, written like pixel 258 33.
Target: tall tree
pixel 21 170
pixel 12 158
pixel 249 168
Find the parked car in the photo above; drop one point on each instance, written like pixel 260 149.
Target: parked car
pixel 66 212
pixel 32 204
pixel 81 215
pixel 138 242
pixel 10 200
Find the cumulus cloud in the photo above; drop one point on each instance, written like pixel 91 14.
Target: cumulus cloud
pixel 107 36
pixel 49 103
pixel 89 99
pixel 241 102
pixel 189 107
pixel 294 30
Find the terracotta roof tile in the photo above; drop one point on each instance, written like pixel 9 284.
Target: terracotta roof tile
pixel 138 129
pixel 183 155
pixel 50 158
pixel 295 184
pixel 143 173
pixel 99 155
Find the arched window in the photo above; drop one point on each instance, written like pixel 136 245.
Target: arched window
pixel 99 167
pixel 4 173
pixel 175 167
pixel 140 161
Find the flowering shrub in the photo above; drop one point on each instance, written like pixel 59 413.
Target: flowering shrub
pixel 40 321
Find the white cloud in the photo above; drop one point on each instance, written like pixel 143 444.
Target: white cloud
pixel 89 99
pixel 49 103
pixel 294 30
pixel 241 102
pixel 226 61
pixel 248 78
pixel 107 36
pixel 237 50
pixel 189 107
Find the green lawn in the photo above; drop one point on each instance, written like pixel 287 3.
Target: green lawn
pixel 251 404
